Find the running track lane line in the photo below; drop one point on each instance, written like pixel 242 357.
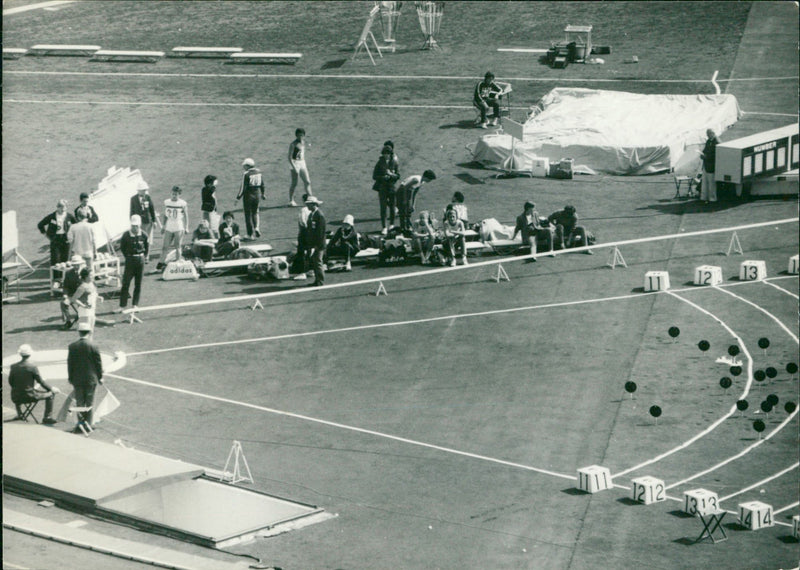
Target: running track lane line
pixel 343 426
pixel 29 7
pixel 758 484
pixel 384 77
pixel 745 451
pixel 767 282
pixel 714 425
pixel 763 310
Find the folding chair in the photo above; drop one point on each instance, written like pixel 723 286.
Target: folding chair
pixel 712 522
pixel 82 412
pixel 25 411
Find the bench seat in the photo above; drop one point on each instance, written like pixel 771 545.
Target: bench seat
pixel 199 51
pixel 13 53
pixel 256 57
pixel 122 55
pixel 59 49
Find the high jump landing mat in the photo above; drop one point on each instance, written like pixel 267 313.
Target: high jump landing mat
pixel 153 493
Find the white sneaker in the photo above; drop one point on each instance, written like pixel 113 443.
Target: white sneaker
pixel 118 310
pixel 384 231
pixel 493 122
pixel 292 203
pixel 464 261
pixel 348 267
pixel 483 125
pixel 300 277
pixel 453 262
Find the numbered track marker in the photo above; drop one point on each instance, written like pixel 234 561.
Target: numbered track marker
pixel 697 501
pixel 656 281
pixel 594 478
pixel 648 490
pixel 793 265
pixel 755 515
pixel 796 526
pixel 752 270
pixel 707 275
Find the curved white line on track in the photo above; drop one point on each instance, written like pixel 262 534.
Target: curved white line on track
pixel 38 6
pixel 714 425
pixel 786 508
pixel 768 282
pixel 763 310
pixel 385 77
pixel 742 453
pixel 343 426
pixel 767 480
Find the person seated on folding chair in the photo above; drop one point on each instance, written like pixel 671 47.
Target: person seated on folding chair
pixel 487 95
pixel 229 239
pixel 424 236
pixel 202 233
pixel 568 233
pixel 23 378
pixel 69 285
pixel 345 242
pixel 528 225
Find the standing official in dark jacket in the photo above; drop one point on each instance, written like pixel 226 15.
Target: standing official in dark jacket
pixel 23 378
pixel 55 226
pixel 142 206
pixel 135 246
pixel 315 239
pixel 708 190
pixel 85 370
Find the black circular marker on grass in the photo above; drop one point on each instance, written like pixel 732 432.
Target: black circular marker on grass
pixel 733 350
pixel 790 407
pixel 630 387
pixel 763 342
pixel 759 426
pixel 766 407
pixel 771 372
pixel 759 375
pixel 736 370
pixel 725 382
pixel 674 332
pixel 704 346
pixel 655 411
pixel 773 400
pixel 791 368
pixel 742 405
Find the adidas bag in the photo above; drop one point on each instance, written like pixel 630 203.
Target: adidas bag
pixel 181 269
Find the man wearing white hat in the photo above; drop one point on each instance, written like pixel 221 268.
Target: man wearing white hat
pixel 315 239
pixel 135 246
pixel 142 206
pixel 23 378
pixel 251 189
pixel 85 371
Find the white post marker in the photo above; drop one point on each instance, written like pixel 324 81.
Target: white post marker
pixel 734 246
pixel 381 290
pixel 700 501
pixel 648 490
pixel 752 270
pixel 594 478
pixel 707 275
pixel 755 515
pixel 236 455
pixel 656 281
pixel 796 526
pixel 793 265
pixel 501 274
pixel 616 259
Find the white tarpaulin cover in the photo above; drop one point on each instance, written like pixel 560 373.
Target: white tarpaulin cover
pixel 613 131
pixel 112 202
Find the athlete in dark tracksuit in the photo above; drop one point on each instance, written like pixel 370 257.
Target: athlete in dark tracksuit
pixel 251 190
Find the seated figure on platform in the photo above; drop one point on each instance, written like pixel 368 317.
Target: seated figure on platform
pixel 454 240
pixel 567 231
pixel 487 95
pixel 528 225
pixel 229 239
pixel 424 236
pixel 345 242
pixel 23 377
pixel 458 205
pixel 202 250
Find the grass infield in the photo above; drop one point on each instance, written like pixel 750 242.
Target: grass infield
pixel 426 419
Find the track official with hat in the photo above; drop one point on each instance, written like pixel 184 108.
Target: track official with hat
pixel 85 371
pixel 23 378
pixel 142 206
pixel 250 191
pixel 135 246
pixel 315 239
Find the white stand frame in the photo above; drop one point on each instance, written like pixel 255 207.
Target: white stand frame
pixel 367 34
pixel 237 456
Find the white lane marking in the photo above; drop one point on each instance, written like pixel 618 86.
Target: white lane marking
pixel 763 310
pixel 768 282
pixel 763 481
pixel 29 7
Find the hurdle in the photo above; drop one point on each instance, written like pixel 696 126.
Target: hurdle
pixel 13 53
pixel 129 56
pixel 58 49
pixel 207 52
pixel 257 58
pixel 428 272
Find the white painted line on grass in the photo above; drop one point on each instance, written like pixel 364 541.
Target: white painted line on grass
pixel 38 6
pixel 762 482
pixel 187 104
pixel 786 508
pixel 343 426
pixel 714 425
pixel 763 310
pixel 767 281
pixel 745 451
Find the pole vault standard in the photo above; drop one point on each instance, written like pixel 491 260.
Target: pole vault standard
pixel 380 280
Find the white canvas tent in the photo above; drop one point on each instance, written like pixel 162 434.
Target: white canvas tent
pixel 613 131
pixel 112 201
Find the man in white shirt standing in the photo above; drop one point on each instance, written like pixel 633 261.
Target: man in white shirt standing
pixel 297 163
pixel 176 224
pixel 81 240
